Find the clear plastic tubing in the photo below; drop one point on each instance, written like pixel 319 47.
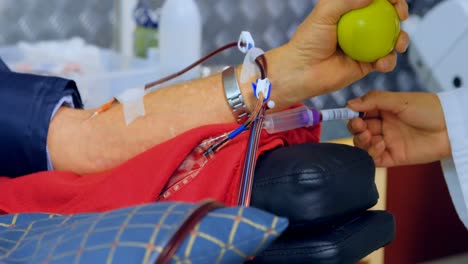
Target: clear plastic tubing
pixel 304 116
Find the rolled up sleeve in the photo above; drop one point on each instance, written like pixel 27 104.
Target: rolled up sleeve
pixel 27 103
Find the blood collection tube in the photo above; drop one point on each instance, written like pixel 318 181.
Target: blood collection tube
pixel 304 116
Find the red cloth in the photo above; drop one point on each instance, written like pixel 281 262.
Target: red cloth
pixel 141 179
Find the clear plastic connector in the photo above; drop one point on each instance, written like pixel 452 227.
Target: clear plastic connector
pixel 290 119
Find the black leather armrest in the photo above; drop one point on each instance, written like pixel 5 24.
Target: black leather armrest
pixel 312 184
pixel 348 241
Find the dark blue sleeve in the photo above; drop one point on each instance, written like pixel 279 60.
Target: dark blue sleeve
pixel 26 105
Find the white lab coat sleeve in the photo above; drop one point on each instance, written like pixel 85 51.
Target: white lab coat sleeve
pixel 455 168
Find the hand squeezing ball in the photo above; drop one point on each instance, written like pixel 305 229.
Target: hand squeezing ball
pixel 369 33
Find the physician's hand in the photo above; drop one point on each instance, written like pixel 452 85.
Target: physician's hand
pixel 400 128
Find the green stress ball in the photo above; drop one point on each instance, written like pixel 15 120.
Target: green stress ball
pixel 369 33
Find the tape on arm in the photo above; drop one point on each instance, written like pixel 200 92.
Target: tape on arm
pixel 249 68
pixel 132 102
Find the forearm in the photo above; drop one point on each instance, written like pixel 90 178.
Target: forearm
pixel 168 112
pixel 86 146
pixel 106 141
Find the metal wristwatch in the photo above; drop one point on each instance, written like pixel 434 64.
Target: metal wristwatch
pixel 233 95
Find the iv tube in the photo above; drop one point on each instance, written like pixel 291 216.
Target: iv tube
pixel 304 116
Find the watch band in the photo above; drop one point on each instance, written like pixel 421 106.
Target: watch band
pixel 233 95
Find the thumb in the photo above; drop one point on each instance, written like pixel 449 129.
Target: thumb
pixel 378 100
pixel 330 11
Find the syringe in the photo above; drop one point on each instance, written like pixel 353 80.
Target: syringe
pixel 304 116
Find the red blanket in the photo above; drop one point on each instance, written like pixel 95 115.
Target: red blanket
pixel 142 178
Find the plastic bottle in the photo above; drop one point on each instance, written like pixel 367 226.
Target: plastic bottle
pixel 146 30
pixel 180 34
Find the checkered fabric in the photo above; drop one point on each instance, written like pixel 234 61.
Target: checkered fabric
pixel 136 235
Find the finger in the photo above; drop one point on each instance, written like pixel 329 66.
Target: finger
pixel 365 139
pixel 402 42
pixel 387 63
pixel 374 126
pixel 377 148
pixel 362 140
pixel 376 140
pixel 372 114
pixel 379 100
pixel 402 8
pixel 385 160
pixel 330 11
pixel 356 126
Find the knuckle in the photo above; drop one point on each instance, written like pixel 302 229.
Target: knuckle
pixel 352 126
pixel 372 95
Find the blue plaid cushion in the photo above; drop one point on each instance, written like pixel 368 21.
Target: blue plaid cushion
pixel 136 235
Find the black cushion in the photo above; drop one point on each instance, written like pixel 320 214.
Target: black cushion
pixel 312 184
pixel 347 241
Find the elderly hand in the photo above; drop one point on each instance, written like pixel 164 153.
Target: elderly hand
pixel 400 128
pixel 315 51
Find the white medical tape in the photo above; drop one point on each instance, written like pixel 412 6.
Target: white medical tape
pixel 249 69
pixel 132 102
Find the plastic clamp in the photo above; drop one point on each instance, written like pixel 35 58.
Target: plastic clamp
pixel 245 42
